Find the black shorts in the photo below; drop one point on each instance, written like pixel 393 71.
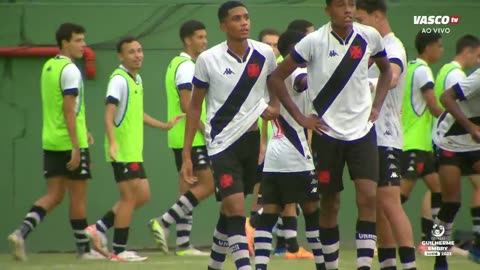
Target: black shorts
pixel 389 166
pixel 199 157
pixel 124 171
pixel 462 160
pixel 417 163
pixel 286 188
pixel 260 173
pixel 330 156
pixel 235 169
pixel 55 164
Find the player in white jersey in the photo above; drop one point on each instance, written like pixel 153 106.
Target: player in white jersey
pixel 289 176
pixel 458 141
pixel 232 77
pixel 393 226
pixel 337 58
pixel 466 57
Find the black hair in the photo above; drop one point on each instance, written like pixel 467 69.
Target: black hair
pixel 226 7
pixel 124 40
pixel 188 28
pixel 467 41
pixel 372 5
pixel 65 32
pixel 287 40
pixel 422 40
pixel 299 25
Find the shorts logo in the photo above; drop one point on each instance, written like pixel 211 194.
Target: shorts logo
pixel 253 70
pixel 226 181
pixel 134 166
pixel 324 177
pixel 356 52
pixel 447 154
pixel 420 166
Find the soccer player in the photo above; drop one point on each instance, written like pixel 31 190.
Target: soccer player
pixel 337 58
pixel 270 36
pixel 418 109
pixel 458 140
pixel 455 163
pixel 65 140
pixel 178 83
pixel 393 225
pixel 124 119
pixel 289 175
pixel 302 26
pixel 232 77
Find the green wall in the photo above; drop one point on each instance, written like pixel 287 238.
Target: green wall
pixel 156 24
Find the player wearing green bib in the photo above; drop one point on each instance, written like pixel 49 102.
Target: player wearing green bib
pixel 65 143
pixel 178 83
pixel 124 120
pixel 418 111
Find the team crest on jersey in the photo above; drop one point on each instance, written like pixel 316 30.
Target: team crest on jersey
pixel 226 180
pixel 253 70
pixel 356 52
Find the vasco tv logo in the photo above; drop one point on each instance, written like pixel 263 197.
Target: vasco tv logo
pixel 436 20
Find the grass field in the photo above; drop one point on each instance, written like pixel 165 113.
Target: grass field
pixel 158 261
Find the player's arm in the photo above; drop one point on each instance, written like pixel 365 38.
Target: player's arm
pixel 462 91
pixel 150 121
pixel 193 119
pixel 69 103
pixel 263 140
pixel 116 92
pixel 397 69
pixel 185 95
pixel 183 82
pixel 383 85
pixel 429 96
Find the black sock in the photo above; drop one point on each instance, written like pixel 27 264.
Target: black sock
pixel 407 258
pixel 32 219
pixel 330 238
pixel 475 212
pixel 237 241
pixel 254 216
pixel 219 247
pixel 312 233
pixel 290 233
pixel 81 239
pixel 366 241
pixel 180 209
pixel 436 203
pixel 106 222
pixel 263 240
pixel 387 258
pixel 281 244
pixel 120 238
pixel 427 225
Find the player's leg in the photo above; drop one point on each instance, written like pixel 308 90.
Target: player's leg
pixel 450 176
pixel 311 214
pixel 289 218
pixel 134 192
pixel 252 221
pixel 362 162
pixel 55 171
pixel 393 225
pixel 271 196
pixel 328 156
pixel 409 160
pixel 474 252
pixel 220 246
pixel 432 180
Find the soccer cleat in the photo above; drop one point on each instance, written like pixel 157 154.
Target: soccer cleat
pixel 127 256
pixel 99 240
pixel 474 254
pixel 18 246
pixel 300 254
pixel 160 234
pixel 279 251
pixel 92 255
pixel 191 251
pixel 250 233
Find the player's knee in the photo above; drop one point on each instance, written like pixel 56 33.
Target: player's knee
pixel 56 197
pixel 234 205
pixel 366 200
pixel 330 205
pixel 143 198
pixel 311 217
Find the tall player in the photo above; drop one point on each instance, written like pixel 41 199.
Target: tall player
pixel 340 94
pixel 178 83
pixel 393 225
pixel 232 77
pixel 65 143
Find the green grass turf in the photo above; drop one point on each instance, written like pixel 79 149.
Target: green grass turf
pixel 159 261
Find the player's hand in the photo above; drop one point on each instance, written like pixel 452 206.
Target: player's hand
pixel 270 113
pixel 90 139
pixel 112 151
pixel 186 172
pixel 74 160
pixel 261 156
pixel 373 115
pixel 175 120
pixel 474 131
pixel 314 123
